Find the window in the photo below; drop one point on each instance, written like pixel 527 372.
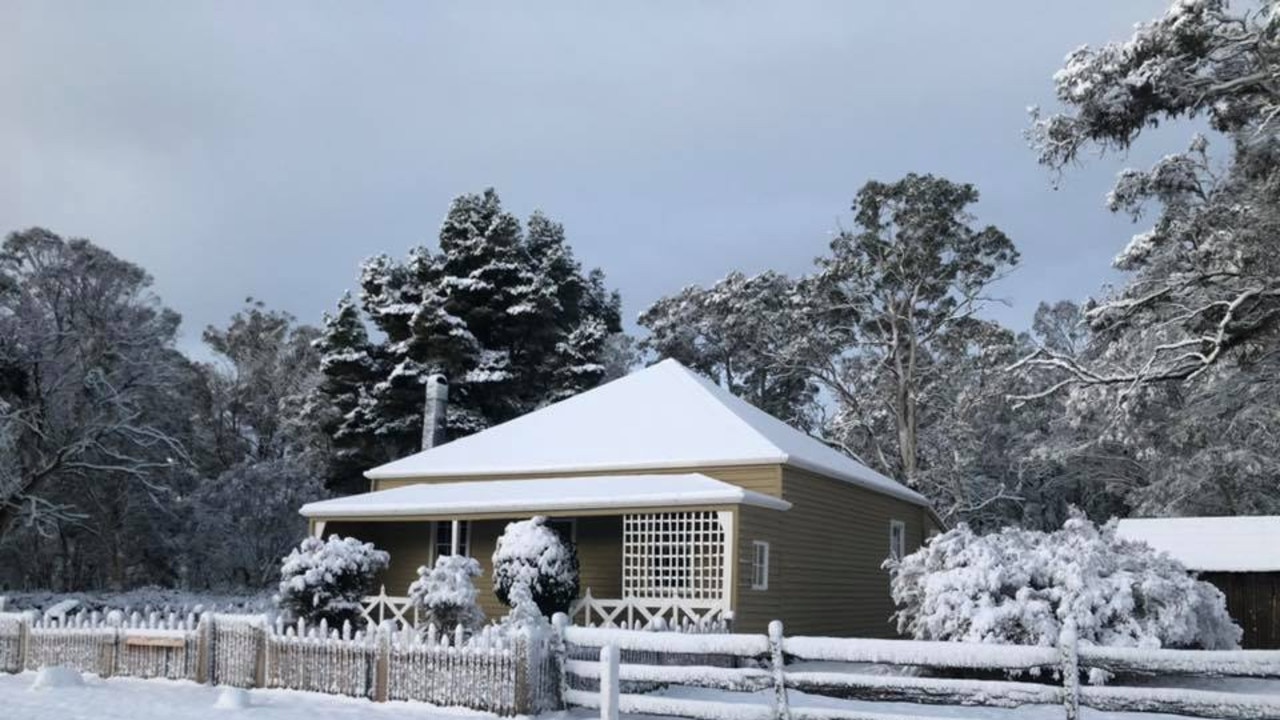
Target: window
pixel 760 565
pixel 897 539
pixel 444 538
pixel 566 528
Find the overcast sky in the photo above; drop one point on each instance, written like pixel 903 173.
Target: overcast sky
pixel 265 149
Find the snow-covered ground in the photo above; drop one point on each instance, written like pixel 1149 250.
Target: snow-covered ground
pixel 908 711
pixel 131 699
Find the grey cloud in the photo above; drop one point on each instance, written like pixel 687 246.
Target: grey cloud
pixel 265 148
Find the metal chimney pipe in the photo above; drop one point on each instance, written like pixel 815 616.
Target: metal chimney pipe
pixel 433 418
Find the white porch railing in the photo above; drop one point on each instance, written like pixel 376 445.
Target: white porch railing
pixel 640 613
pixel 377 609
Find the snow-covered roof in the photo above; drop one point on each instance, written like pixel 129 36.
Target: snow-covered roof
pixel 542 495
pixel 664 416
pixel 1212 544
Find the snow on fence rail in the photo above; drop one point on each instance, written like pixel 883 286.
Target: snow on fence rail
pixel 763 664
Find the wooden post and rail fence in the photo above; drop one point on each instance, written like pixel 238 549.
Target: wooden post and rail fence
pixel 786 665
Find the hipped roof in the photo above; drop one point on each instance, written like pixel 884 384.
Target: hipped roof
pixel 664 416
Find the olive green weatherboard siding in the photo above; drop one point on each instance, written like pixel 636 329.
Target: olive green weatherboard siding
pixel 827 558
pixel 765 479
pixel 408 543
pixel 754 609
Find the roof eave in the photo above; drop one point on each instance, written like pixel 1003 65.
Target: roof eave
pixel 902 492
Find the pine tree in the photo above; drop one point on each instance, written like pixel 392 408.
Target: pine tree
pixel 578 360
pixel 507 315
pixel 348 370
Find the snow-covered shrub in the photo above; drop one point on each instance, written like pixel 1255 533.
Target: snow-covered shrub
pixel 525 619
pixel 1019 586
pixel 531 553
pixel 325 579
pixel 445 595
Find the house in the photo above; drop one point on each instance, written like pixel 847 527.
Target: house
pixel 683 500
pixel 1239 555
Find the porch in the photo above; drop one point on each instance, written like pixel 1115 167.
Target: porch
pixel 651 548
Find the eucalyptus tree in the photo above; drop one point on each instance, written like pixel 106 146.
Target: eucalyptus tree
pixel 892 306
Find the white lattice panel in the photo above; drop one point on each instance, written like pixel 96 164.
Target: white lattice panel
pixel 674 555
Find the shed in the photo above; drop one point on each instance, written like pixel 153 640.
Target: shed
pixel 1238 554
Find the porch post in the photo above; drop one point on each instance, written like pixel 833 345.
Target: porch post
pixel 727 518
pixel 453 539
pixel 317 528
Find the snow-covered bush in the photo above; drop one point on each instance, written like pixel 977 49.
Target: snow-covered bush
pixel 1019 586
pixel 325 579
pixel 531 553
pixel 445 595
pixel 525 619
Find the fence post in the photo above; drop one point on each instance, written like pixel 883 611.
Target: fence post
pixel 522 651
pixel 1068 641
pixel 778 661
pixel 24 641
pixel 609 684
pixel 560 650
pixel 110 656
pixel 382 670
pixel 260 661
pixel 204 650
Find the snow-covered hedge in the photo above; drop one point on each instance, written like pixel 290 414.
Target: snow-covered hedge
pixel 532 554
pixel 326 579
pixel 445 594
pixel 1019 586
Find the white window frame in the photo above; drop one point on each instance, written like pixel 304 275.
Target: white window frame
pixel 464 545
pixel 897 539
pixel 759 565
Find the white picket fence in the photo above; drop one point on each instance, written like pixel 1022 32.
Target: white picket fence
pixel 765 662
pixel 503 673
pixel 154 645
pixel 507 674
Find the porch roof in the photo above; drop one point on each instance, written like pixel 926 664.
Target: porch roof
pixel 542 495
